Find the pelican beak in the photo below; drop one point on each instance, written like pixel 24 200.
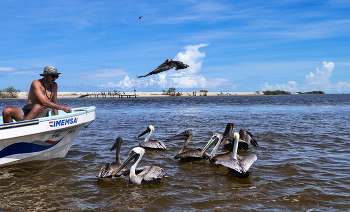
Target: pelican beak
pixel 144 132
pixel 127 160
pixel 212 141
pixel 180 136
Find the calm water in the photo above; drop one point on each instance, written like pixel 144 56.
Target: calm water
pixel 303 157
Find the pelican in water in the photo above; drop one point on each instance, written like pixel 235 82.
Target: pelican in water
pixel 246 139
pixel 235 166
pixel 189 155
pixel 109 169
pixel 151 143
pixel 149 174
pixel 213 157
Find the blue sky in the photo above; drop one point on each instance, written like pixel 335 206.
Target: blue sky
pixel 229 45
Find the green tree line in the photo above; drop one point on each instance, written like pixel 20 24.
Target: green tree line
pixel 9 92
pixel 312 92
pixel 277 92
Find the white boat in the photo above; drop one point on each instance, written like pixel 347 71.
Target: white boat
pixel 42 138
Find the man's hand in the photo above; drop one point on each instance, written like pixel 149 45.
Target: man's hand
pixel 67 109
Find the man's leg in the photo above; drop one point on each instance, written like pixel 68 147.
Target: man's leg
pixel 37 112
pixel 10 113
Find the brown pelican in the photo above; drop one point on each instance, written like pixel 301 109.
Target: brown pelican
pixel 151 143
pixel 213 157
pixel 246 139
pixel 109 169
pixel 189 155
pixel 235 166
pixel 149 174
pixel 168 64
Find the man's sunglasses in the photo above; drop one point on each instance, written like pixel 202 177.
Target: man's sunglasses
pixel 54 76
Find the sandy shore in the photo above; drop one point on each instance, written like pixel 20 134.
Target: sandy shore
pixel 140 94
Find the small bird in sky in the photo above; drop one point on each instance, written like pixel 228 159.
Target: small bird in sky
pixel 140 17
pixel 168 64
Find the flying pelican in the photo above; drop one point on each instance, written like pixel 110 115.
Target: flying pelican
pixel 168 64
pixel 189 155
pixel 151 143
pixel 149 174
pixel 235 166
pixel 109 169
pixel 246 139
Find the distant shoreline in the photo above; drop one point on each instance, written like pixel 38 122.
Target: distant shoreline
pixel 24 95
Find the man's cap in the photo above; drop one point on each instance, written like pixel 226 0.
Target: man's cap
pixel 49 70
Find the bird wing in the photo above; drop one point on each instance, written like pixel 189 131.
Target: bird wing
pixel 252 140
pixel 109 169
pixel 243 135
pixel 189 153
pixel 162 67
pixel 228 130
pixel 153 144
pixel 242 144
pixel 152 174
pixel 166 62
pixel 247 161
pixel 230 163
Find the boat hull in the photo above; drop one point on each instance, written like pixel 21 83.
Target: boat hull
pixel 44 138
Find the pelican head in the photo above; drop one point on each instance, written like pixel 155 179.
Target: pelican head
pixel 182 136
pixel 214 139
pixel 135 153
pixel 149 129
pixel 118 141
pixel 236 135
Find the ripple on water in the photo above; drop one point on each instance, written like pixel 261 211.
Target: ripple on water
pixel 303 157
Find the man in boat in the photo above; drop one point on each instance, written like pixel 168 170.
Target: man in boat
pixel 42 97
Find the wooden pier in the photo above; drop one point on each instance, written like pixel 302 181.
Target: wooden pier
pixel 108 95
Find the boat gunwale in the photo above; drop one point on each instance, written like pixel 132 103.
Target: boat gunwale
pixel 76 112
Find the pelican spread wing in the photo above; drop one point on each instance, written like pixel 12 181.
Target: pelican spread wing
pixel 168 64
pixel 230 163
pixel 238 166
pixel 247 161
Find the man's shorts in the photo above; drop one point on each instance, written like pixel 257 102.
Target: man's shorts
pixel 29 107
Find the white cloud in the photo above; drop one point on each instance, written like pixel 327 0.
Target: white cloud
pixel 291 86
pixel 192 57
pixel 342 86
pixel 6 69
pixel 15 72
pixel 322 76
pixel 125 83
pixel 315 81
